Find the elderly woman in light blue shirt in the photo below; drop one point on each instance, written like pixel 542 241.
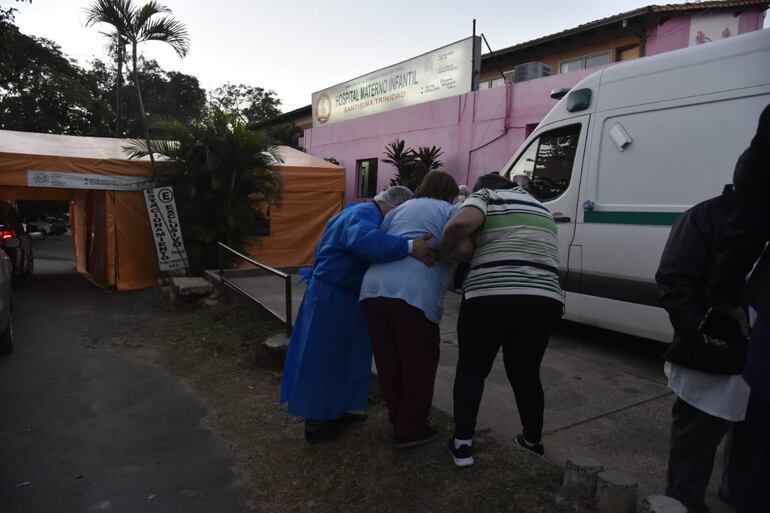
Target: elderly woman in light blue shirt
pixel 403 304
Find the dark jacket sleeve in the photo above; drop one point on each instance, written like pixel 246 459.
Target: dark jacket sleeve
pixel 748 226
pixel 684 270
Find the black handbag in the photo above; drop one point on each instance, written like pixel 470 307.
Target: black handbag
pixel 726 356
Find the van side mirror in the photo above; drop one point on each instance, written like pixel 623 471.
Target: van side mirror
pixel 11 243
pixel 578 100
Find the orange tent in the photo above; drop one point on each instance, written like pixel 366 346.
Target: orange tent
pixel 111 229
pixel 313 192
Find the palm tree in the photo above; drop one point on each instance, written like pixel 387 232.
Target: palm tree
pixel 117 50
pixel 223 176
pixel 134 25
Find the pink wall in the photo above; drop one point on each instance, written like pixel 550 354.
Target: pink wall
pixel 470 128
pixel 750 21
pixel 671 35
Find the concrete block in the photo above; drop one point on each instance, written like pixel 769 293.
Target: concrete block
pixel 580 476
pixel 211 301
pixel 192 286
pixel 662 504
pixel 615 492
pixel 278 342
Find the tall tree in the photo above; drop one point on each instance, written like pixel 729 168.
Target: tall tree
pixel 41 90
pixel 166 93
pixel 252 104
pixel 135 25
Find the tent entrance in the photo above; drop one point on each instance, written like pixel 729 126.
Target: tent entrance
pixel 112 238
pixel 110 233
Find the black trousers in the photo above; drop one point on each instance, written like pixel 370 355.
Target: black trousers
pixel 695 436
pixel 756 374
pixel 520 325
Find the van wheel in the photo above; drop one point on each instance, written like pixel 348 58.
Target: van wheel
pixel 6 339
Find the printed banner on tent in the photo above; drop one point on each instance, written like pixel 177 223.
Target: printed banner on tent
pixel 64 180
pixel 166 229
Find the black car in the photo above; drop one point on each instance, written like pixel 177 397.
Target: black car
pixel 57 226
pixel 22 259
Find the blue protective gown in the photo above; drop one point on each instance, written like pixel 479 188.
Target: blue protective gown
pixel 328 362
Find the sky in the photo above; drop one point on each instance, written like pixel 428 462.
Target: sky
pixel 296 47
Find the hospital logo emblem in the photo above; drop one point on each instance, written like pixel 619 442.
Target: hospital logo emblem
pixel 323 108
pixel 40 179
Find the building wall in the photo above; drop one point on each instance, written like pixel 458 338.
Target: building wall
pixel 557 55
pixel 480 131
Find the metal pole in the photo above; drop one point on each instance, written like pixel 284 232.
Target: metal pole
pixel 289 320
pixel 474 74
pixel 494 56
pixel 221 265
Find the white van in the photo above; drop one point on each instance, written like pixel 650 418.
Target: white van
pixel 629 149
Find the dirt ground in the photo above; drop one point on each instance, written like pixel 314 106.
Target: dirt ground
pixel 216 351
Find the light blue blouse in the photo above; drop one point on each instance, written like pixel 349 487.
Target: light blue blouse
pixel 409 279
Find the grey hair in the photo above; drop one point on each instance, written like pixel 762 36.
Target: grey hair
pixel 395 195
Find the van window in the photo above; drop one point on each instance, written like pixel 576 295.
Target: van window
pixel 548 162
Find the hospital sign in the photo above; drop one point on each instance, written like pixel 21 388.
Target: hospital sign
pixel 447 71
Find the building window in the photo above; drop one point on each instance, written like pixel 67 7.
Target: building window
pixel 571 65
pixel 585 62
pixel 366 177
pixel 626 53
pixel 548 162
pixel 490 83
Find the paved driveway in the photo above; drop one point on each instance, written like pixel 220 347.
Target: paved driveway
pixel 84 428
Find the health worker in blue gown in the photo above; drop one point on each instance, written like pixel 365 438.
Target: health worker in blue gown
pixel 328 362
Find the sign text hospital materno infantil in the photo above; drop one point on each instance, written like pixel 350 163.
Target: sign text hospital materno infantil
pixel 166 229
pixel 445 72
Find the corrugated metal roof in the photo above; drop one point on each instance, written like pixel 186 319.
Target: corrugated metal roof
pixel 650 9
pixel 705 5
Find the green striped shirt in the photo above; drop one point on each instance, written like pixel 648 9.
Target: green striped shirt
pixel 517 249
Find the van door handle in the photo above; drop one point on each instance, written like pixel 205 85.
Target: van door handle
pixel 561 218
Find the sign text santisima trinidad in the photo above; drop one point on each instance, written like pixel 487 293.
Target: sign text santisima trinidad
pixel 166 229
pixel 445 72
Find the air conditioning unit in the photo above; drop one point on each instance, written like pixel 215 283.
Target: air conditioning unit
pixel 529 71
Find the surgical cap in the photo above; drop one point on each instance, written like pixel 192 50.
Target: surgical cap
pixel 394 196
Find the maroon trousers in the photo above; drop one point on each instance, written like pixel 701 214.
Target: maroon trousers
pixel 406 351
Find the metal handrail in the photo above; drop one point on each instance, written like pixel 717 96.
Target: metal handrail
pixel 287 319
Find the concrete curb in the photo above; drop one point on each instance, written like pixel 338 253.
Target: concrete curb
pixel 580 476
pixel 616 492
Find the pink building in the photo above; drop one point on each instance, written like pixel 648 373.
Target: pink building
pixel 479 131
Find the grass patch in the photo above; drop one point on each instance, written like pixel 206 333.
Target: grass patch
pixel 217 352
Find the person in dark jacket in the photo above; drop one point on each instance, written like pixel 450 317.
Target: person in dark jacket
pixel 712 396
pixel 744 246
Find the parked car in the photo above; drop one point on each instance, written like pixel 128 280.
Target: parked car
pixel 21 255
pixel 34 224
pixel 57 226
pixel 6 296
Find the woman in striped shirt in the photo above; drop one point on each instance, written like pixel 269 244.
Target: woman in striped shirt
pixel 514 274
